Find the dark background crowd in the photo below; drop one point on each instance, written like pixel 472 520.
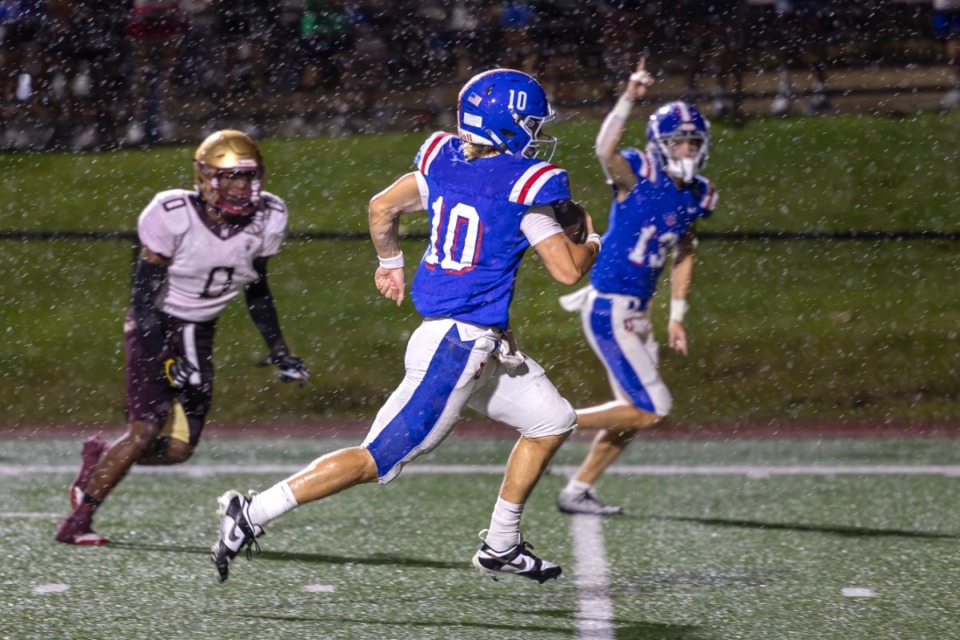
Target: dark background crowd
pixel 80 74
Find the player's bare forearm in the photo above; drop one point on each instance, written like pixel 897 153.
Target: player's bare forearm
pixel 400 198
pixel 566 262
pixel 384 212
pixel 681 277
pixel 681 274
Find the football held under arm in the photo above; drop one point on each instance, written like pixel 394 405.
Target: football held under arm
pixel 566 261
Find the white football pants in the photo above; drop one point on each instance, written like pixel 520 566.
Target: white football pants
pixel 449 365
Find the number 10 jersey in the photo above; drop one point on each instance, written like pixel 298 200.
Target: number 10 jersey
pixel 469 268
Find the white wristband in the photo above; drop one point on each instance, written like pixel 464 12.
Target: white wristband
pixel 595 238
pixel 396 262
pixel 678 309
pixel 623 108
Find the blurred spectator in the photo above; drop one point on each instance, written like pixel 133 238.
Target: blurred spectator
pixel 467 26
pixel 248 41
pixel 325 34
pixel 364 77
pixel 21 41
pixel 628 27
pixel 94 45
pixel 154 30
pixel 946 26
pixel 568 43
pixel 57 78
pixel 802 32
pixel 199 69
pixel 709 31
pixel 428 47
pixel 247 30
pixel 520 49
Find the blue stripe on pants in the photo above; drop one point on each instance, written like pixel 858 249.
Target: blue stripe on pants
pixel 411 426
pixel 601 322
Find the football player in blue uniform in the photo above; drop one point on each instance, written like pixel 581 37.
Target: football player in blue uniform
pixel 488 192
pixel 658 196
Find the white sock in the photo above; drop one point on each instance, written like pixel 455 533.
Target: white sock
pixel 576 488
pixel 271 504
pixel 504 531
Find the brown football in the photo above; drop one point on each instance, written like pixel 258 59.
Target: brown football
pixel 573 218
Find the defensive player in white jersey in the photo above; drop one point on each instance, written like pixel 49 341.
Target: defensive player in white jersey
pixel 489 198
pixel 200 250
pixel 658 196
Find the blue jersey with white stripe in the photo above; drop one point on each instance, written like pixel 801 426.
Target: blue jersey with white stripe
pixel 646 226
pixel 469 269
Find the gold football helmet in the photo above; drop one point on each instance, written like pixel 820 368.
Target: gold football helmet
pixel 229 172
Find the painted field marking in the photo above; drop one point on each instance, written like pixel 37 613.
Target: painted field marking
pixel 753 471
pixel 594 609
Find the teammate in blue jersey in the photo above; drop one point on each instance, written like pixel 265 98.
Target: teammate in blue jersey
pixel 489 197
pixel 658 196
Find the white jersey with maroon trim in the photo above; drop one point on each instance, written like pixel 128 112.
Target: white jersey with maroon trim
pixel 209 265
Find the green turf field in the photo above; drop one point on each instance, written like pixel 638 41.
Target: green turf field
pixel 797 329
pixel 745 539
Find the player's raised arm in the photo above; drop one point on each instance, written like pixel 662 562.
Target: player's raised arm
pixel 384 212
pixel 615 166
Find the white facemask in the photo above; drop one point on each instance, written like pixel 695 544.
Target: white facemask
pixel 683 169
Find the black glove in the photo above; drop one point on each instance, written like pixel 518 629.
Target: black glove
pixel 178 371
pixel 289 368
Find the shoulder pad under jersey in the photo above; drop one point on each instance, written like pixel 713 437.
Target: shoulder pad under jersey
pixel 165 220
pixel 541 183
pixel 430 149
pixel 707 194
pixel 640 163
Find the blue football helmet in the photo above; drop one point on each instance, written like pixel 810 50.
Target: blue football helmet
pixel 674 121
pixel 506 109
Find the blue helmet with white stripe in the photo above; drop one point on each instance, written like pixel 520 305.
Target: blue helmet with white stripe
pixel 506 109
pixel 677 121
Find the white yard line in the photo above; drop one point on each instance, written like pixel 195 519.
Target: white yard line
pixel 753 471
pixel 594 609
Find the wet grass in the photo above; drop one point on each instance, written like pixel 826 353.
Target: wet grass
pixel 808 329
pixel 696 557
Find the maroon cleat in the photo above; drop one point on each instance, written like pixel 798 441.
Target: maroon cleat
pixel 76 530
pixel 93 449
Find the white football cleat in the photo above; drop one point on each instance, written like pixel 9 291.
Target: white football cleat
pixel 236 532
pixel 518 559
